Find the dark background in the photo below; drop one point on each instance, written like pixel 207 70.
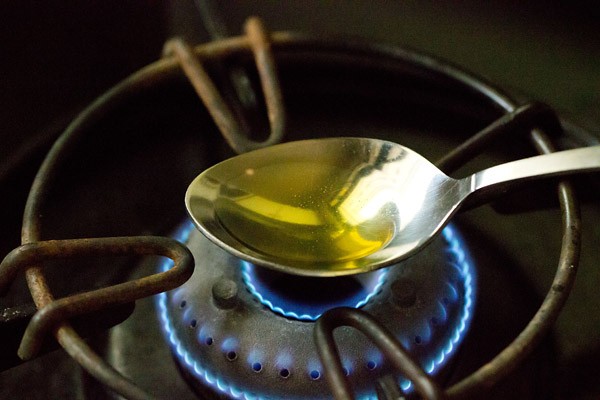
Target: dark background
pixel 59 55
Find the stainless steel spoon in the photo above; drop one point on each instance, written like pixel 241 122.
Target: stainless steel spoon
pixel 341 206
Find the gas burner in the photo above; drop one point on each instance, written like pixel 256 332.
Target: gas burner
pixel 247 332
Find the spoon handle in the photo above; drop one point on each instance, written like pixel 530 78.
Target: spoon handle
pixel 501 177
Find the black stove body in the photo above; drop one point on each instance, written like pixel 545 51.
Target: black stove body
pixel 127 173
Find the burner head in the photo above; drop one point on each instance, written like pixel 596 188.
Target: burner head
pixel 244 332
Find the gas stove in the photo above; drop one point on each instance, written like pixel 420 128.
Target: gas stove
pixel 475 311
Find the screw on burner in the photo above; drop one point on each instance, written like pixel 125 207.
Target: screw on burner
pixel 225 293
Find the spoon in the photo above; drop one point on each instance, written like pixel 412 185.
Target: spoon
pixel 341 206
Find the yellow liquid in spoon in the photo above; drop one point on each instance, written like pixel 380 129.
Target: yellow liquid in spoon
pixel 305 211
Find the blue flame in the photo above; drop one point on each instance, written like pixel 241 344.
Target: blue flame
pixel 290 309
pixel 455 247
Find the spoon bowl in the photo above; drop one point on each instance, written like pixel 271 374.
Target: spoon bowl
pixel 341 206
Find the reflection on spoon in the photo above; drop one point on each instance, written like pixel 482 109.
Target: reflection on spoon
pixel 340 206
